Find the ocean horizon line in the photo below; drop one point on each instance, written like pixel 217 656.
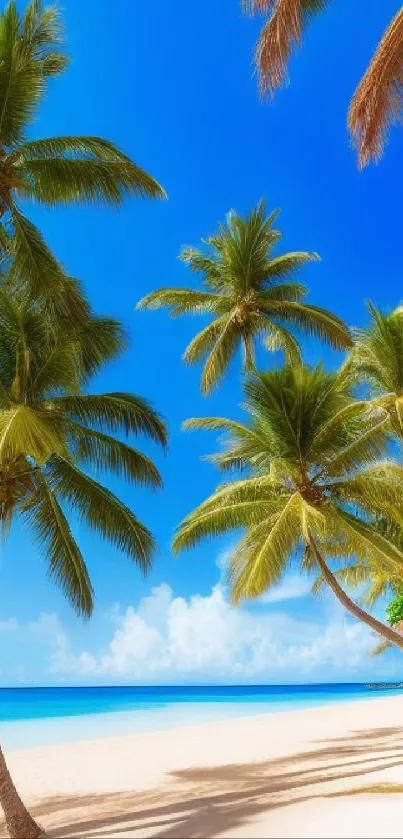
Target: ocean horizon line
pixel 195 685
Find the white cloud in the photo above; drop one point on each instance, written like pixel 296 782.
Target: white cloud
pixel 291 588
pixel 173 639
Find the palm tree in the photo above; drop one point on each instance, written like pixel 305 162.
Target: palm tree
pixel 55 170
pixel 377 101
pixel 56 439
pixel 314 485
pixel 374 583
pixel 377 360
pixel 249 294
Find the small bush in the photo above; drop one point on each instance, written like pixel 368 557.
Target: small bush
pixel 395 610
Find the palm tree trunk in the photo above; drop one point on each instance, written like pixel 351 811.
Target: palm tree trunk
pixel 20 824
pixel 379 627
pixel 249 356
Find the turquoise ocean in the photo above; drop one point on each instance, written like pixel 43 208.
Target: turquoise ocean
pixel 40 716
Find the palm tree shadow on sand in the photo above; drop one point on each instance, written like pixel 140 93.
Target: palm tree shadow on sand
pixel 208 801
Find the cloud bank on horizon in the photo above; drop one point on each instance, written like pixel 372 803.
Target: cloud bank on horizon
pixel 169 639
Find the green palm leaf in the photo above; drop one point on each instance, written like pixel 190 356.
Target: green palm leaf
pixel 261 557
pixel 33 266
pixel 220 357
pixel 52 533
pixel 102 510
pixel 61 370
pixel 114 412
pixel 43 363
pixel 181 300
pixel 29 432
pixel 280 338
pixel 205 340
pixel 363 541
pixel 55 181
pixel 106 454
pixel 289 264
pixel 312 320
pixel 377 488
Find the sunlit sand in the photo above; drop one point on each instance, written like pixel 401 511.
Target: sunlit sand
pixel 322 772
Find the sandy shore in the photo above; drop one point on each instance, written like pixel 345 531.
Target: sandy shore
pixel 326 772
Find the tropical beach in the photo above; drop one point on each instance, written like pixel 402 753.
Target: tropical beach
pixel 319 772
pixel 201 419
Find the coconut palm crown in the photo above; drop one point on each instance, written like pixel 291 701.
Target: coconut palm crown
pixel 315 480
pixel 377 102
pixel 377 360
pixel 51 171
pixel 249 294
pixel 56 438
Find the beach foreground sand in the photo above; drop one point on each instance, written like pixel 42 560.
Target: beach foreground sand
pixel 334 771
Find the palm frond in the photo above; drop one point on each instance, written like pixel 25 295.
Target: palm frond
pixel 261 557
pixel 68 147
pixel 377 103
pixel 205 340
pixel 289 264
pixel 62 370
pixel 364 542
pixel 103 511
pixel 42 32
pixel 313 320
pixel 220 357
pixel 369 443
pixel 377 488
pixel 33 266
pixel 101 339
pixel 344 426
pixel 106 454
pixel 283 291
pixel 114 412
pixel 29 432
pixel 352 576
pixel 52 533
pixel 180 300
pixel 283 31
pixel 382 647
pixel 55 181
pixel 241 504
pixel 280 338
pixel 21 82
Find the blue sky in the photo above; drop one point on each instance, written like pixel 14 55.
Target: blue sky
pixel 172 84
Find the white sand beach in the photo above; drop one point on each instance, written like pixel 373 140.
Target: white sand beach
pixel 323 772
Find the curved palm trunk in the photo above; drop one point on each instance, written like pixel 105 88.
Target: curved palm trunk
pixel 20 824
pixel 379 627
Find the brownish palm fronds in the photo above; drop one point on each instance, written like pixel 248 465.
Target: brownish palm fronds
pixel 378 101
pixel 282 31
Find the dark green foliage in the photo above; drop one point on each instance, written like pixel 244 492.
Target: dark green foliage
pixel 52 171
pixel 50 427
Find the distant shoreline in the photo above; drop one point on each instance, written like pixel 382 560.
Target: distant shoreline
pixel 50 716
